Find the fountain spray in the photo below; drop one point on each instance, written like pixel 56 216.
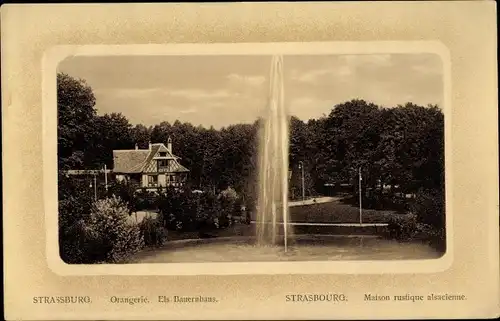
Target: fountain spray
pixel 273 209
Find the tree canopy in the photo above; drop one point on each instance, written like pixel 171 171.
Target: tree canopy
pixel 399 146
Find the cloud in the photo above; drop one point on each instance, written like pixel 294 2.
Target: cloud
pixel 188 93
pixel 128 92
pixel 188 111
pixel 312 76
pixel 199 94
pixel 247 80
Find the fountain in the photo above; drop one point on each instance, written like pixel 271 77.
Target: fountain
pixel 273 212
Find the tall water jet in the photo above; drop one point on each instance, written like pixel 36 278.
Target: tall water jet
pixel 272 210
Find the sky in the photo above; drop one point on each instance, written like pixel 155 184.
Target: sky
pixel 222 90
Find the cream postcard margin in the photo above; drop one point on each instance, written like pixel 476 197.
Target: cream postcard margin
pixel 465 29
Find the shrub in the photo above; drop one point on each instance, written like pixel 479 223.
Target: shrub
pixel 187 211
pixel 125 192
pixel 429 208
pixel 113 236
pixel 103 235
pixel 402 227
pixel 153 232
pixel 143 200
pixel 179 209
pixel 228 199
pixel 229 195
pixel 75 204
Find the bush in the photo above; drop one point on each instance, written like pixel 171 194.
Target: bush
pixel 125 192
pixel 153 231
pixel 403 227
pixel 187 211
pixel 112 233
pixel 179 210
pixel 228 201
pixel 229 195
pixel 75 204
pixel 102 236
pixel 429 208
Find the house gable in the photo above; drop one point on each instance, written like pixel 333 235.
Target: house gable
pixel 145 161
pixel 173 166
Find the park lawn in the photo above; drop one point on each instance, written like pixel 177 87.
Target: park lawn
pixel 332 212
pixel 337 212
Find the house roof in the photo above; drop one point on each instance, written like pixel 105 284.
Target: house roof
pixel 129 161
pixel 175 167
pixel 135 160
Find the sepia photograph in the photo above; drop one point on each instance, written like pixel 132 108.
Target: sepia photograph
pixel 250 161
pixel 250 158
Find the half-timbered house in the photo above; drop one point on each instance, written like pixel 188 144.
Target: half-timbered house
pixel 150 168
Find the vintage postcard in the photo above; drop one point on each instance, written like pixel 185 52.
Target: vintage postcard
pixel 222 176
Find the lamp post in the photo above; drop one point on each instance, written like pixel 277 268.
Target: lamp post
pixel 106 177
pixel 301 166
pixel 95 187
pixel 360 199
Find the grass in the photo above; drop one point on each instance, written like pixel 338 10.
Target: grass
pixel 332 212
pixel 337 212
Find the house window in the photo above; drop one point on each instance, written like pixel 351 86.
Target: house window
pixel 163 154
pixel 163 163
pixel 152 180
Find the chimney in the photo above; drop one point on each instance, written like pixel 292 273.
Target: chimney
pixel 136 147
pixel 150 145
pixel 169 144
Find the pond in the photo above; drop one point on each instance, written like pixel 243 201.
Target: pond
pixel 303 248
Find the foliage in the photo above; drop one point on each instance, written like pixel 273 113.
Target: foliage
pixel 400 146
pixel 229 195
pixel 135 200
pixel 216 158
pixel 75 103
pixel 125 192
pixel 400 150
pixel 188 211
pixel 402 227
pixel 101 235
pixel 75 204
pixel 426 222
pixel 153 231
pixel 429 208
pixel 115 238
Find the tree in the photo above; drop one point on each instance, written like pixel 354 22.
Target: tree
pixel 75 120
pixel 348 138
pixel 75 204
pixel 141 135
pixel 115 132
